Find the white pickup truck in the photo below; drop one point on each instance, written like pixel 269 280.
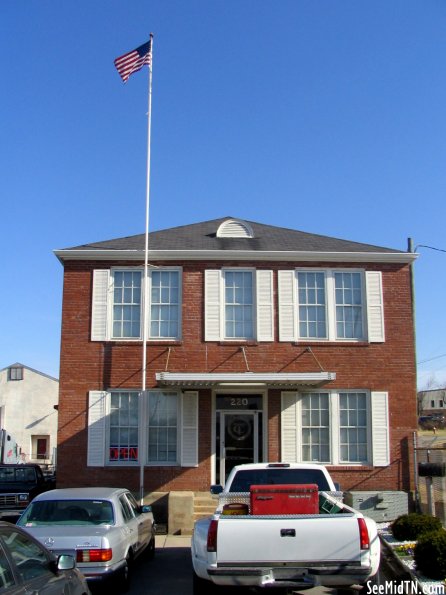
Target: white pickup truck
pixel 238 547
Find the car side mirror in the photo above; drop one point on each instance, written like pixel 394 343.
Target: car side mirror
pixel 65 562
pixel 146 508
pixel 216 489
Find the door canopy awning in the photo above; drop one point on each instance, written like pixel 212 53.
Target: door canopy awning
pixel 270 379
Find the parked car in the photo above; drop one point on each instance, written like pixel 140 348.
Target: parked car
pixel 433 420
pixel 104 528
pixel 26 566
pixel 283 526
pixel 19 484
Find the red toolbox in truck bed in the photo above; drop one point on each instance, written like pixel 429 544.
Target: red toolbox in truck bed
pixel 284 499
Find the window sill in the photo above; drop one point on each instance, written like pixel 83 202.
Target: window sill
pixel 243 342
pixel 330 343
pixel 350 467
pixel 150 342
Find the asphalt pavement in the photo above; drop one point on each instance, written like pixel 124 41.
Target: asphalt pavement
pixel 170 572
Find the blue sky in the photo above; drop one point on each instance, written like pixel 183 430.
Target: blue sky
pixel 320 115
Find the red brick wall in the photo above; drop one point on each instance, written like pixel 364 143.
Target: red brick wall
pixel 87 365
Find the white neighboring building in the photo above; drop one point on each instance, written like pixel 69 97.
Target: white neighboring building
pixel 28 413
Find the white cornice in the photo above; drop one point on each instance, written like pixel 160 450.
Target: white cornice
pixel 241 255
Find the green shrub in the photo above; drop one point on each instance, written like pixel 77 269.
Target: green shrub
pixel 409 527
pixel 430 554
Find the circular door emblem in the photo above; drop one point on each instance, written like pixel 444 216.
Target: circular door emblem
pixel 239 428
pixel 49 541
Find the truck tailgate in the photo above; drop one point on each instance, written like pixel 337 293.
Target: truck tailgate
pixel 293 539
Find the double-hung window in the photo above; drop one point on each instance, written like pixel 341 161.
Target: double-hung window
pixel 154 427
pixel 349 305
pixel 316 427
pixel 118 302
pixel 330 305
pixel 239 304
pixel 353 427
pixel 123 426
pixel 335 427
pixel 165 304
pixel 312 305
pixel 163 427
pixel 127 304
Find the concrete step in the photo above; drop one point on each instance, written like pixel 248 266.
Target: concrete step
pixel 198 516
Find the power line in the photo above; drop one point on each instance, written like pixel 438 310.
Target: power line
pixel 431 359
pixel 430 248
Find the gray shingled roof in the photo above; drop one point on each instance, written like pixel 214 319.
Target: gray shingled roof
pixel 202 236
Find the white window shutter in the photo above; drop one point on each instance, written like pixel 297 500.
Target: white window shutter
pixel 189 429
pixel 287 306
pixel 99 305
pixel 380 429
pixel 289 429
pixel 265 306
pixel 212 306
pixel 96 429
pixel 375 306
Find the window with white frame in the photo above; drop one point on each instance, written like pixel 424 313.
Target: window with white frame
pixel 165 304
pixel 312 305
pixel 239 304
pixel 118 299
pixel 161 424
pixel 316 427
pixel 123 426
pixel 126 304
pixel 330 305
pixel 330 427
pixel 163 427
pixel 349 305
pixel 153 427
pixel 353 427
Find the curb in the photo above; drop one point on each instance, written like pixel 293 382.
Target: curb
pixel 393 566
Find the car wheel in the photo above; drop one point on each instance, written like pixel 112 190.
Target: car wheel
pixel 123 582
pixel 150 549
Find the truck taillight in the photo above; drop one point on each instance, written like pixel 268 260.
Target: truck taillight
pixel 94 555
pixel 212 536
pixel 363 534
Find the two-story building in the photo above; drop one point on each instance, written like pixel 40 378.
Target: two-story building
pixel 28 415
pixel 263 344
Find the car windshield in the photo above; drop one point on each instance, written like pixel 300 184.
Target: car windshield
pixel 67 512
pixel 243 480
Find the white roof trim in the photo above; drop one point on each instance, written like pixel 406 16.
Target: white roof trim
pixel 190 379
pixel 240 255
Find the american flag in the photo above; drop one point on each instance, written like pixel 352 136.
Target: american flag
pixel 134 60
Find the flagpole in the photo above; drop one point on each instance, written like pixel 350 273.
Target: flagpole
pixel 142 449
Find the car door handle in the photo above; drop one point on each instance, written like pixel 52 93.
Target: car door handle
pixel 287 532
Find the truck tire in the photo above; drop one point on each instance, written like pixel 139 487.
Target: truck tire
pixel 201 586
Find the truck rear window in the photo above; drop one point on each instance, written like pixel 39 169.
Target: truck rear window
pixel 243 480
pixel 17 475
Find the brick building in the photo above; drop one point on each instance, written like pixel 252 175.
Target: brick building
pixel 263 344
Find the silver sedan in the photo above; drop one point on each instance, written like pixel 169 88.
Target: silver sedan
pixel 103 528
